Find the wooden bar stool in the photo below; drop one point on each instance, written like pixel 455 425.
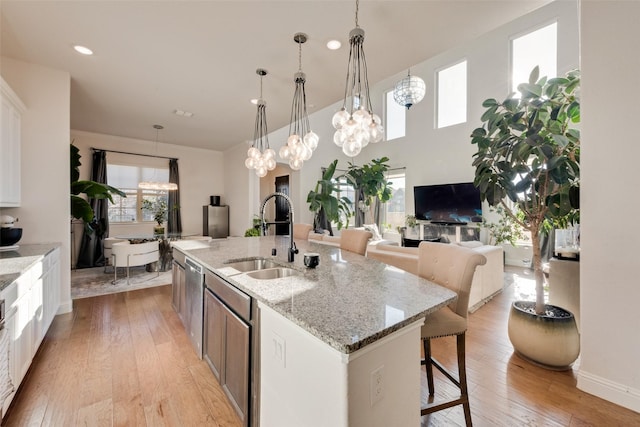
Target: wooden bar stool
pixel 451 266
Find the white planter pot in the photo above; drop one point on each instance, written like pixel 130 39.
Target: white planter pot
pixel 549 341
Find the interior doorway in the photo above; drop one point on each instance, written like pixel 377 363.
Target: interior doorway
pixel 282 209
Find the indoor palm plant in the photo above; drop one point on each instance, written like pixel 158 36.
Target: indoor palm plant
pixel 529 153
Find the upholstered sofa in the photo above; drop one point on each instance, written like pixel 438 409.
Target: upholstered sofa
pixel 487 281
pixel 326 239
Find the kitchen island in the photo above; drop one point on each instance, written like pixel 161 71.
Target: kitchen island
pixel 338 345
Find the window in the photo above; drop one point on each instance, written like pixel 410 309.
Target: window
pixel 452 95
pixel 347 190
pixel 395 120
pixel 539 47
pixel 394 214
pixel 126 179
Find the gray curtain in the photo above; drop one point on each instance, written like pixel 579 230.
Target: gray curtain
pixel 174 221
pixel 91 248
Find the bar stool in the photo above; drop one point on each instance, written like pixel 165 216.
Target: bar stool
pixel 355 240
pixel 451 266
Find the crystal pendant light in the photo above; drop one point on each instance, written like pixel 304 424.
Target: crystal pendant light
pixel 153 184
pixel 302 140
pixel 260 157
pixel 409 90
pixel 355 123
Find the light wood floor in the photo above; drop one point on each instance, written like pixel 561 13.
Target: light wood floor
pixel 125 360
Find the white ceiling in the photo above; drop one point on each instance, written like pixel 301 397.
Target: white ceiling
pixel 153 57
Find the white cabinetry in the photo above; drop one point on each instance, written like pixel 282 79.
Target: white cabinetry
pixel 10 120
pixel 31 302
pixel 50 290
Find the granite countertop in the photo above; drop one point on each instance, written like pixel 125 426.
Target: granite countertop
pixel 15 262
pixel 348 301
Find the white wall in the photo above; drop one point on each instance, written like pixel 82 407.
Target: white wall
pixel 431 156
pixel 45 209
pixel 201 175
pixel 609 291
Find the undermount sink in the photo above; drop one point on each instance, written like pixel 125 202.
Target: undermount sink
pixel 252 264
pixel 272 273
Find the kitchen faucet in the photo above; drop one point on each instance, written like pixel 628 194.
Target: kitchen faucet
pixel 292 245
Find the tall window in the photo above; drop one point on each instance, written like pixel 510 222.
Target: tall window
pixel 394 214
pixel 126 178
pixel 395 120
pixel 539 47
pixel 347 190
pixel 452 95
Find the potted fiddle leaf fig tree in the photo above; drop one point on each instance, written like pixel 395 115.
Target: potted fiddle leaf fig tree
pixel 528 152
pixel 370 183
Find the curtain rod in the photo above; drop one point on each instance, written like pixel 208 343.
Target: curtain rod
pixel 133 154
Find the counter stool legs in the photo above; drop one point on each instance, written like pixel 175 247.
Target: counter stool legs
pixel 429 363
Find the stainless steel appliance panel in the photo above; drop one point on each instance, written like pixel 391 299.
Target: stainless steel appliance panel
pixel 194 289
pixel 215 221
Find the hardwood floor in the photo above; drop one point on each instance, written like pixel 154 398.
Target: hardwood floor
pixel 122 360
pixel 125 360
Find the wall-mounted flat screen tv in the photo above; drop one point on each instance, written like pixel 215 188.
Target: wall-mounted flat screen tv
pixel 448 203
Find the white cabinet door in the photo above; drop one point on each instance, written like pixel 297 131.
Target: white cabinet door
pixel 10 325
pixel 10 122
pixel 50 290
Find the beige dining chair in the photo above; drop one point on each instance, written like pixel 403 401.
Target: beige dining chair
pixel 453 267
pixel 355 240
pixel 125 254
pixel 301 231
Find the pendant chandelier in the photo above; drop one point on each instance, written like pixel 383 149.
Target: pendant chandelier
pixel 356 125
pixel 153 184
pixel 302 141
pixel 260 157
pixel 409 90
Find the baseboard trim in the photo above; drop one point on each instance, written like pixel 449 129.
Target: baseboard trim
pixel 66 307
pixel 617 393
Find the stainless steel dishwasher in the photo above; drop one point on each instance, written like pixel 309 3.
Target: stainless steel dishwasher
pixel 194 287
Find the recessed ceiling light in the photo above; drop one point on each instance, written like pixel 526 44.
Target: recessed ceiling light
pixel 334 44
pixel 254 101
pixel 83 50
pixel 183 113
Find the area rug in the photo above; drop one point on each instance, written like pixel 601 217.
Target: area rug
pixel 90 282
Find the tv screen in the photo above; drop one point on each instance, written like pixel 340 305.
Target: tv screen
pixel 448 203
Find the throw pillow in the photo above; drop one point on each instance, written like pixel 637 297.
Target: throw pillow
pixel 373 229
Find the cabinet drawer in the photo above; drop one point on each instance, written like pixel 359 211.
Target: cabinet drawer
pixel 237 300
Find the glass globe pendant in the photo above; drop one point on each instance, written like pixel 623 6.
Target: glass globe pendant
pixel 409 90
pixel 355 124
pixel 259 156
pixel 302 141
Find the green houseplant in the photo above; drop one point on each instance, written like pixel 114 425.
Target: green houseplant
pixel 80 207
pixel 159 208
pixel 325 201
pixel 506 229
pixel 528 151
pixel 371 182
